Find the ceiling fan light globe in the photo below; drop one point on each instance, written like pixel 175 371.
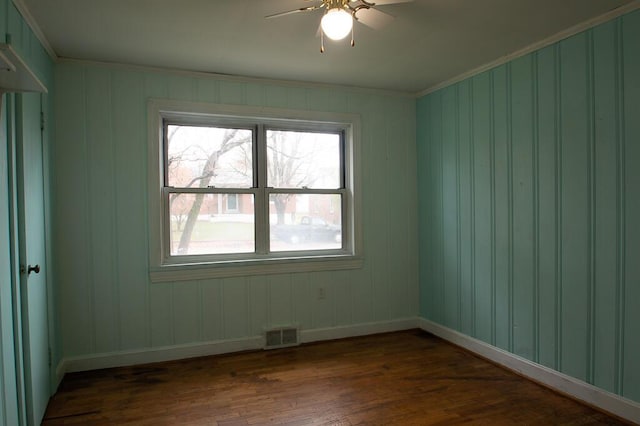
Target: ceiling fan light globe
pixel 336 23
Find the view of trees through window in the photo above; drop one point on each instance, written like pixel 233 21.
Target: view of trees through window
pixel 213 182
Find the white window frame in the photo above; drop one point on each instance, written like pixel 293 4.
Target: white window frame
pixel 166 268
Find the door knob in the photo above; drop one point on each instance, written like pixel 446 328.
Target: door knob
pixel 31 269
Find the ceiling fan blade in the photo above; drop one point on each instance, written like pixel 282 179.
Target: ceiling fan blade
pixel 302 9
pixel 373 18
pixel 355 3
pixel 383 2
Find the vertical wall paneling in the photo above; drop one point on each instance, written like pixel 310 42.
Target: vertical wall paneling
pixel 492 212
pixel 631 73
pixel 534 206
pixel 322 312
pixel 207 90
pixel 180 88
pixel 465 209
pixel 401 189
pixel 213 311
pixel 558 212
pixel 532 173
pixel 449 201
pixel 280 300
pixel 591 175
pixel 379 267
pixel 236 319
pixel 424 212
pixel 482 200
pixel 620 204
pixel 500 235
pixel 604 207
pixel 472 215
pixel 70 213
pixel 255 94
pixel 437 251
pixel 101 200
pixel 257 308
pixel 231 93
pixel 546 207
pixel 343 300
pixel 160 303
pixel 523 221
pixel 456 94
pixel 186 312
pixel 130 185
pixel 303 296
pixel 575 206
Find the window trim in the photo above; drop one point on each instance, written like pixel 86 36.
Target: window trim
pixel 162 269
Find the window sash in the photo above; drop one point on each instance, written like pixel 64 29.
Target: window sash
pixel 261 221
pixel 342 149
pixel 202 122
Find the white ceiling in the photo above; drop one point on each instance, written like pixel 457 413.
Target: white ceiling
pixel 429 42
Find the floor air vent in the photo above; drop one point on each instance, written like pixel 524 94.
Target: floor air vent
pixel 281 338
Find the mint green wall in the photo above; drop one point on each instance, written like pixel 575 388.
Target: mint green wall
pixel 529 206
pixel 13 29
pixel 107 301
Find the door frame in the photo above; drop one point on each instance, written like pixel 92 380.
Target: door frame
pixel 14 253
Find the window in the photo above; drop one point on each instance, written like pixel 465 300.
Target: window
pixel 236 191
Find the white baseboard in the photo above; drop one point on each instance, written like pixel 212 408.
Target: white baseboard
pixel 159 354
pixel 342 332
pixel 592 395
pixel 170 353
pixel 60 371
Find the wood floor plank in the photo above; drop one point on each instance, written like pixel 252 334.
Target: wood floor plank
pixel 404 378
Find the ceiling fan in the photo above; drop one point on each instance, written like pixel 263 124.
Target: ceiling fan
pixel 337 21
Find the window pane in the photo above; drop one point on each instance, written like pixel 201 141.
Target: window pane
pixel 303 160
pixel 204 224
pixel 198 157
pixel 305 222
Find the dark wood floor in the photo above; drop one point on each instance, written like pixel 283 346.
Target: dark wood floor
pixel 400 378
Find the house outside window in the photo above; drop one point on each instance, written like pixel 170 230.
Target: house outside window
pixel 239 191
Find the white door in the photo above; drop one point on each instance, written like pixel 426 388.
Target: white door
pixel 31 230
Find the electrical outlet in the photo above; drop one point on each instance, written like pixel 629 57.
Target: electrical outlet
pixel 321 293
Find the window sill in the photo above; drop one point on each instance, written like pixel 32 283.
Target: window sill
pixel 203 271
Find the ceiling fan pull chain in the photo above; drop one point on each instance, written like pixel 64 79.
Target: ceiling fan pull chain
pixel 321 41
pixel 353 43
